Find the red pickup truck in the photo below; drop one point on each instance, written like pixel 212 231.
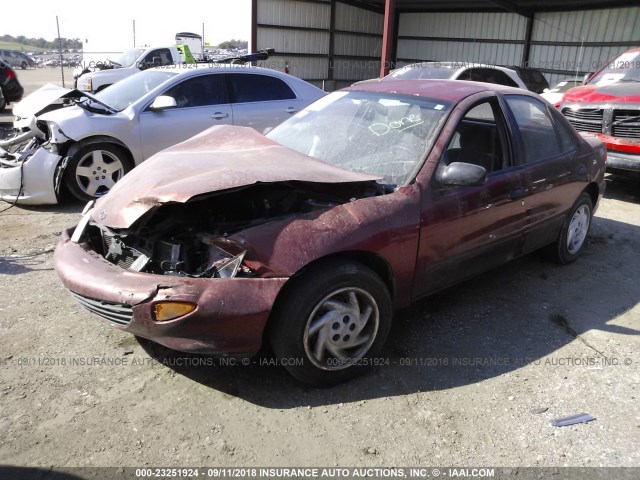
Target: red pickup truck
pixel 608 105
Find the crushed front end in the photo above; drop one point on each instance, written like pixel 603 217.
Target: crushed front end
pixel 179 275
pixel 30 168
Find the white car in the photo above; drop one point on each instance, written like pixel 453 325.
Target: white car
pixel 476 72
pixel 554 95
pixel 87 147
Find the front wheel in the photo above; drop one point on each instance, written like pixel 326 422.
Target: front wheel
pixel 574 231
pixel 94 169
pixel 331 323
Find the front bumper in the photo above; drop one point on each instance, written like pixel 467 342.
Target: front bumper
pixel 37 176
pixel 230 317
pixel 623 161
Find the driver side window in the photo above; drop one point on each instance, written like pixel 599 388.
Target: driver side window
pixel 479 139
pixel 158 58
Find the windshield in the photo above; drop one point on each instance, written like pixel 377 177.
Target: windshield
pixel 127 91
pixel 421 71
pixel 625 68
pixel 377 133
pixel 128 58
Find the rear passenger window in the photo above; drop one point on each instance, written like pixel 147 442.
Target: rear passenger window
pixel 250 87
pixel 489 75
pixel 536 129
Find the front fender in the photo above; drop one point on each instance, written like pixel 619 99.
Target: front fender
pixel 386 225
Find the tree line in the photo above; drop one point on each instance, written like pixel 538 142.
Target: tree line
pixel 63 43
pixel 234 44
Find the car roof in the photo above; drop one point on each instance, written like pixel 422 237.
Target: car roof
pixel 445 90
pixel 457 65
pixel 199 67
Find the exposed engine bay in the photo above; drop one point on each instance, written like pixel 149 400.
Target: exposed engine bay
pixel 192 239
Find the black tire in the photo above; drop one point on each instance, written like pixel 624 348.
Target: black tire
pixel 24 65
pixel 3 103
pixel 84 161
pixel 321 293
pixel 574 232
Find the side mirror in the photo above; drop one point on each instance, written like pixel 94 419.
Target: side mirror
pixel 462 174
pixel 586 78
pixel 163 102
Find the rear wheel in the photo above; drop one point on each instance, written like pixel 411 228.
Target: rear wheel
pixel 24 65
pixel 94 169
pixel 331 323
pixel 574 231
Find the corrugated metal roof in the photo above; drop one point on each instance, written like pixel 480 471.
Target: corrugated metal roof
pixel 518 6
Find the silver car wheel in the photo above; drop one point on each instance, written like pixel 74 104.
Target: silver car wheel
pixel 341 329
pixel 578 228
pixel 98 171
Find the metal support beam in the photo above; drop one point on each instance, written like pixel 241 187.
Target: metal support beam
pixel 510 7
pixel 253 46
pixel 388 36
pixel 332 38
pixel 527 41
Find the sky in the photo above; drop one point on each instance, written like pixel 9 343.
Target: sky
pixel 111 25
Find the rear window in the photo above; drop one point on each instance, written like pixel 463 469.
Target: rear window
pixel 533 79
pixel 253 87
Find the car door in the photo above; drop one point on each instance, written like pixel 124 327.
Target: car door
pixel 466 230
pixel 261 101
pixel 202 103
pixel 556 175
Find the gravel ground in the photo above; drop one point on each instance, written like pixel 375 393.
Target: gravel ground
pixel 475 373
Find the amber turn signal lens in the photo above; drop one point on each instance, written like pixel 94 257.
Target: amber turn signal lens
pixel 164 311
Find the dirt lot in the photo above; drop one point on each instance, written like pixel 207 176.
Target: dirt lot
pixel 474 375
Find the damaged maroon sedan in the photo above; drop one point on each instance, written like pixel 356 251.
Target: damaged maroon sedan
pixel 311 237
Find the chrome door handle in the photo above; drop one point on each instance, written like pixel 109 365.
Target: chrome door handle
pixel 291 110
pixel 220 115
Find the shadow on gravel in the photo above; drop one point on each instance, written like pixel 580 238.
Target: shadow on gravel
pixel 623 186
pixel 19 264
pixel 29 473
pixel 485 327
pixel 66 205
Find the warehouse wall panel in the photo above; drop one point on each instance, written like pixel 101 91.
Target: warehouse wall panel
pixel 505 26
pixel 294 41
pixel 354 19
pixel 357 40
pixel 292 13
pixel 492 38
pixel 357 46
pixel 568 44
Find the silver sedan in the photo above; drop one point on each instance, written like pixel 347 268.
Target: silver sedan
pixel 87 146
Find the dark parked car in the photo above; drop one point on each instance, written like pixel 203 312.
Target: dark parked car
pixel 311 237
pixel 10 88
pixel 16 59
